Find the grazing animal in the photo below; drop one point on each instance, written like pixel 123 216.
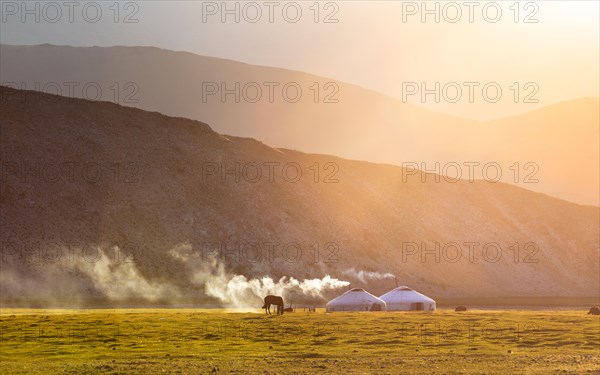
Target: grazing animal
pixel 594 310
pixel 273 300
pixel 460 308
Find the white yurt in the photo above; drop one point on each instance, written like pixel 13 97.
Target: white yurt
pixel 356 299
pixel 404 298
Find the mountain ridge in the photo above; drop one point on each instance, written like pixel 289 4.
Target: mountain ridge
pixel 361 125
pixel 174 209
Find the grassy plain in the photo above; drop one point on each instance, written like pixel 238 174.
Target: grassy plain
pixel 195 341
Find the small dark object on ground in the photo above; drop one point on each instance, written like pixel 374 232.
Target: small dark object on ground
pixel 595 310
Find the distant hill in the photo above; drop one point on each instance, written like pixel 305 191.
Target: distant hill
pixel 78 174
pixel 330 117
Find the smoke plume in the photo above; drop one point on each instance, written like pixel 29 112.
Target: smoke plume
pixel 366 276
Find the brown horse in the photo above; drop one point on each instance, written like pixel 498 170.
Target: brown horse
pixel 273 300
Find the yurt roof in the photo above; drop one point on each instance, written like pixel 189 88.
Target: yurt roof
pixel 404 294
pixel 356 295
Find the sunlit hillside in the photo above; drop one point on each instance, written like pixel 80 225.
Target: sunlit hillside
pixel 324 115
pixel 163 188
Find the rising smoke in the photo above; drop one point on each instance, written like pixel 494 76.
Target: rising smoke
pixel 240 291
pixel 366 276
pixel 123 281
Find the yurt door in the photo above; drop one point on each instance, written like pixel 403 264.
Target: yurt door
pixel 419 306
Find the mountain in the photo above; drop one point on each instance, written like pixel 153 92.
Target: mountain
pixel 557 146
pixel 563 137
pixel 79 175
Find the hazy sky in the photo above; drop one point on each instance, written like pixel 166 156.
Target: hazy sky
pixel 381 45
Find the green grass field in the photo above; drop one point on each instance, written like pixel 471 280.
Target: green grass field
pixel 189 341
